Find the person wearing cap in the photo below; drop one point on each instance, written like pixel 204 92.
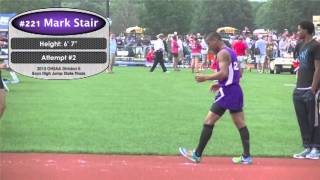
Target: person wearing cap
pixel 159 49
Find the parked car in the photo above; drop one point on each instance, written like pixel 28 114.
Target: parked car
pixel 282 64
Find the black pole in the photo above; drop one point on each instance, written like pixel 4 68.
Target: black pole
pixel 108 8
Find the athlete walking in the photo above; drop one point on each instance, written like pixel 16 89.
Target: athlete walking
pixel 229 97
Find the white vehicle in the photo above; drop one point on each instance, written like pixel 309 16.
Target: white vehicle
pixel 282 64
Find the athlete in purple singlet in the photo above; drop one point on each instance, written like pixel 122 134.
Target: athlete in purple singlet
pixel 230 94
pixel 229 97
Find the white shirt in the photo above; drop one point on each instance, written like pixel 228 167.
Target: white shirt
pixel 204 46
pixel 180 44
pixel 158 45
pixel 248 42
pixel 113 46
pixel 282 45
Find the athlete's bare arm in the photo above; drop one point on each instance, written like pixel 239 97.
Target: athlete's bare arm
pixel 224 60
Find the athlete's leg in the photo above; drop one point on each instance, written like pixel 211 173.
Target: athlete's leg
pixel 212 117
pixel 238 119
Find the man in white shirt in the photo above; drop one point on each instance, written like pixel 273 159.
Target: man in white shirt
pixel 159 50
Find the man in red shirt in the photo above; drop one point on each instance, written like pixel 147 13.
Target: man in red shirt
pixel 240 47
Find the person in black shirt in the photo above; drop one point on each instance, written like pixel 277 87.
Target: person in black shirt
pixel 306 94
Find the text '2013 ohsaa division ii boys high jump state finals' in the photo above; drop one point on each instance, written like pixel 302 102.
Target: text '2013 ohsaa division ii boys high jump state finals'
pixel 235 95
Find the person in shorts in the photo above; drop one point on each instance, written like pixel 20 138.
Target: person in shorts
pixel 240 47
pixel 229 97
pixel 195 54
pixel 175 53
pixel 261 52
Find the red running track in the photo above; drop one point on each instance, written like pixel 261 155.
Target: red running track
pixel 32 166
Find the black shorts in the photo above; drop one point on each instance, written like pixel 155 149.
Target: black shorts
pixel 1 83
pixel 215 108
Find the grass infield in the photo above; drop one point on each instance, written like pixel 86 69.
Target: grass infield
pixel 137 112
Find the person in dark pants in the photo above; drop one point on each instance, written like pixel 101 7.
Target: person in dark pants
pixel 159 50
pixel 306 93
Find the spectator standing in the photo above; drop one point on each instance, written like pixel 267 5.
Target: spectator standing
pixel 283 46
pixel 113 51
pixel 195 54
pixel 269 56
pixel 180 50
pixel 168 47
pixel 240 47
pixel 260 48
pixel 204 53
pixel 175 52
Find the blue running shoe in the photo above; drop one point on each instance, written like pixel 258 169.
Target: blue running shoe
pixel 191 155
pixel 242 160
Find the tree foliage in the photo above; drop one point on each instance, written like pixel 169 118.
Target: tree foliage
pixel 124 14
pixel 210 15
pixel 278 15
pixel 166 16
pixel 185 16
pixel 22 6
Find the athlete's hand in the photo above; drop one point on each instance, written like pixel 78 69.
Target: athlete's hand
pixel 200 78
pixel 214 87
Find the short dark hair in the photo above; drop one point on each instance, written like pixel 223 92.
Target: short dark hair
pixel 214 35
pixel 307 25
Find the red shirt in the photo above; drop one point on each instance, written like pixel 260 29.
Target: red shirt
pixel 195 47
pixel 240 48
pixel 174 46
pixel 149 56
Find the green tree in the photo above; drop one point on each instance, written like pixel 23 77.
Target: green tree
pixel 166 16
pixel 210 15
pixel 124 14
pixel 97 6
pixel 22 6
pixel 279 15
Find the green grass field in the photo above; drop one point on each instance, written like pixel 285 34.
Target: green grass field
pixel 137 112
